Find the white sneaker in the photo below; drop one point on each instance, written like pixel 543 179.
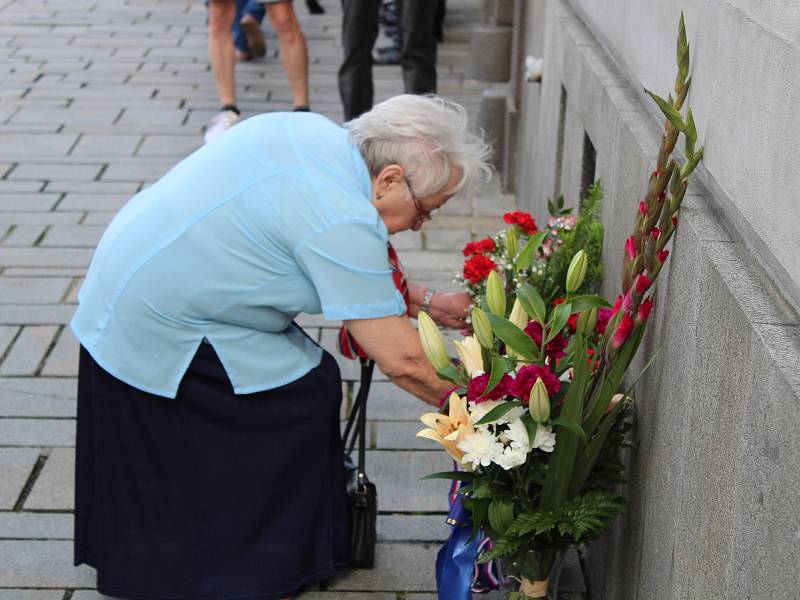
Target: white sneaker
pixel 224 120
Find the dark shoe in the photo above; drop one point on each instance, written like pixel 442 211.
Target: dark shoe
pixel 255 39
pixel 314 7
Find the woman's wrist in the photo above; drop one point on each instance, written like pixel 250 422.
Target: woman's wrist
pixel 427 299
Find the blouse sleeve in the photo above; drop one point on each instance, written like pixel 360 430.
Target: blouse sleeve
pixel 348 264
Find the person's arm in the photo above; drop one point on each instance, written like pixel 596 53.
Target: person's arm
pixel 394 345
pixel 449 309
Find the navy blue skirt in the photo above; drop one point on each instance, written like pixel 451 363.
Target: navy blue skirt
pixel 211 495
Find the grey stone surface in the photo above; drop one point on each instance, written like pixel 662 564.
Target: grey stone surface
pixel 76 172
pixel 401 435
pixel 31 594
pixel 81 201
pixel 28 350
pixel 64 236
pixel 7 335
pixel 397 474
pixel 24 235
pixel 412 528
pixel 42 564
pixel 22 525
pixel 406 567
pixel 37 432
pixel 33 290
pixel 28 202
pixel 16 465
pixel 62 361
pixel 102 145
pixel 54 487
pixel 490 53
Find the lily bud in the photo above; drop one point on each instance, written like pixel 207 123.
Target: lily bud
pixel 482 328
pixel 432 342
pixel 587 321
pixel 539 403
pixel 496 295
pixel 511 243
pixel 577 271
pixel 469 351
pixel 518 315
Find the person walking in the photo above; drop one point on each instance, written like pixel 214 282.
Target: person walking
pixel 417 51
pixel 209 463
pixel 221 50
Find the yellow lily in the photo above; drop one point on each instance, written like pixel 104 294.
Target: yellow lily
pixel 469 351
pixel 450 429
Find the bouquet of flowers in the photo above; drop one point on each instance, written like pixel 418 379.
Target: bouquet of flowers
pixel 539 411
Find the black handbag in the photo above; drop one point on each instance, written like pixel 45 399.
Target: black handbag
pixel 361 492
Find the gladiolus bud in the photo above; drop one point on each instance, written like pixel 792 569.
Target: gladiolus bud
pixel 630 247
pixel 644 310
pixel 662 256
pixel 617 305
pixel 615 399
pixel 674 221
pixel 518 315
pixel 577 270
pixel 622 332
pixel 642 283
pixel 495 295
pixel 539 403
pixel 655 232
pixel 511 243
pixel 587 321
pixel 482 328
pixel 642 207
pixel 432 342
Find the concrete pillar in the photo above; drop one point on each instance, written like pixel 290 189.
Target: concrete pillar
pixel 492 120
pixel 490 53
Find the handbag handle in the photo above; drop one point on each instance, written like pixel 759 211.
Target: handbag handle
pixel 358 416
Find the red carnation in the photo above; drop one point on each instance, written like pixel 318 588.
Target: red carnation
pixel 478 268
pixel 623 331
pixel 603 317
pixel 527 376
pixel 478 384
pixel 642 283
pixel 523 219
pixel 630 247
pixel 662 256
pixel 554 348
pixel 479 247
pixel 644 310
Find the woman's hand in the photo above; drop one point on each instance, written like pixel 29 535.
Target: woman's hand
pixel 450 309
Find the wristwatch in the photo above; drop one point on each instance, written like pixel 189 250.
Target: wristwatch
pixel 426 301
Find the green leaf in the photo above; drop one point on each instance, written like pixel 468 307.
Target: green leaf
pixel 530 425
pixel 536 522
pixel 481 489
pixel 501 515
pixel 573 426
pixel 550 208
pixel 669 111
pixel 498 412
pixel 558 319
pixel 529 251
pixel 532 302
pixel 500 366
pixel 588 458
pixel 587 301
pixel 690 133
pixel 513 337
pixel 451 475
pixel 479 507
pixel 451 373
pixel 682 48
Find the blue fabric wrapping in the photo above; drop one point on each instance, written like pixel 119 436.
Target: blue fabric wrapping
pixel 455 563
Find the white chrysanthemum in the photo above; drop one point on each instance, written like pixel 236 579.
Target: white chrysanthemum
pixel 480 448
pixel 511 458
pixel 480 410
pixel 517 436
pixel 545 439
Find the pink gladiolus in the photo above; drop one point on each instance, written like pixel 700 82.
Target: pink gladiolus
pixel 642 283
pixel 674 221
pixel 630 247
pixel 642 208
pixel 626 301
pixel 617 306
pixel 644 310
pixel 662 256
pixel 622 332
pixel 655 232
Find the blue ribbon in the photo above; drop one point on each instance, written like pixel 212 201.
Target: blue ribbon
pixel 455 563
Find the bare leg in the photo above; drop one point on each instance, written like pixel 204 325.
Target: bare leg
pixel 294 51
pixel 220 48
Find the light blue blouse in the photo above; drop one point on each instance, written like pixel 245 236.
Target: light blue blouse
pixel 271 219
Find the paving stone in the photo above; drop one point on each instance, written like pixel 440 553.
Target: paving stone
pixel 28 202
pixel 37 432
pixel 21 525
pixel 24 235
pixel 407 567
pixel 397 475
pixel 54 487
pixel 41 564
pixel 44 314
pixel 16 465
pixel 71 172
pixel 387 402
pixel 412 528
pixel 401 435
pixel 33 290
pixel 61 116
pixel 18 145
pixel 111 146
pixel 135 172
pixel 169 145
pixel 12 186
pixel 31 594
pixel 93 202
pixel 7 334
pixel 80 236
pixel 446 239
pixel 39 218
pixel 92 187
pixel 45 257
pixel 28 350
pixel 152 120
pixel 63 358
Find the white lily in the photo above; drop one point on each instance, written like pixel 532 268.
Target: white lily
pixel 469 351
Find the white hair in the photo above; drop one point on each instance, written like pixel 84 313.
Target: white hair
pixel 428 136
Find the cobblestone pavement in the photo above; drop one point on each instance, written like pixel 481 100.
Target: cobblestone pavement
pixel 98 99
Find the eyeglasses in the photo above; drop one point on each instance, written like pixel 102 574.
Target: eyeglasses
pixel 422 214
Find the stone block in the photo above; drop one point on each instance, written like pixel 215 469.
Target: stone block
pixel 93 187
pixel 446 239
pixel 79 236
pixel 37 432
pixel 94 202
pixel 18 594
pixel 21 525
pixel 103 145
pixel 408 567
pixel 39 218
pixel 63 358
pixel 492 121
pixel 490 53
pixel 23 235
pixel 28 202
pixel 24 397
pixel 54 488
pixel 66 116
pixel 402 435
pixel 33 290
pixel 28 350
pixel 16 465
pixel 44 314
pixel 412 528
pixel 67 172
pixel 169 145
pixel 41 564
pixel 45 257
pixel 138 171
pixel 387 402
pixel 152 120
pixel 7 334
pixel 397 474
pixel 9 186
pixel 99 217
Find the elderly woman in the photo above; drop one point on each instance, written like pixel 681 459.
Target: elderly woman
pixel 209 459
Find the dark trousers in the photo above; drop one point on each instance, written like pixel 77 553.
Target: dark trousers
pixel 417 51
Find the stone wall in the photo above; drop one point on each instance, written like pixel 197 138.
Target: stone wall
pixel 715 478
